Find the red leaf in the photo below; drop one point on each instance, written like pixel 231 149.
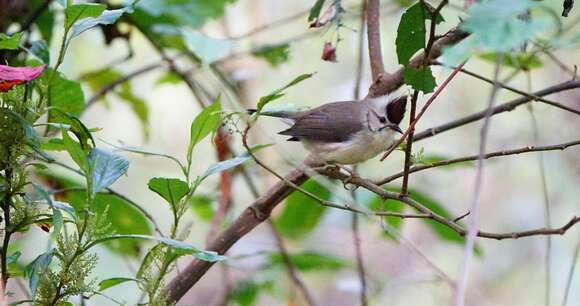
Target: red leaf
pixel 12 76
pixel 329 53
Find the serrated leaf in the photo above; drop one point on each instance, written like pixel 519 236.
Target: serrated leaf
pixel 106 168
pixel 275 55
pixel 75 151
pixel 36 268
pixel 208 49
pixel 301 213
pixel 310 261
pixel 276 94
pixel 10 42
pixel 182 248
pixel 411 31
pixel 420 78
pixel 114 281
pixel 496 26
pixel 204 123
pixel 81 11
pixel 315 10
pixel 170 189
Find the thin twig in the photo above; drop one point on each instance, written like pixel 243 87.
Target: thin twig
pixel 111 86
pixel 414 248
pixel 473 224
pixel 35 15
pixel 423 110
pixel 270 26
pixel 506 107
pixel 527 149
pixel 292 272
pixel 523 93
pixel 355 220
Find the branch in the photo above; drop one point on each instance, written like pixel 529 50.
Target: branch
pixel 460 230
pixel 109 87
pixel 251 217
pixel 373 16
pixel 391 82
pixel 490 155
pixel 520 92
pixel 509 106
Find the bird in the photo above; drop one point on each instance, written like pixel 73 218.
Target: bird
pixel 345 132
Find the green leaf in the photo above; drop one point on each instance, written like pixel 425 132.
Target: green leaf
pixel 206 122
pixel 310 261
pixel 496 26
pixel 202 206
pixel 301 213
pixel 77 12
pixel 40 50
pixel 10 42
pixel 75 151
pixel 420 79
pixel 433 158
pixel 275 55
pixel 525 61
pixel 138 105
pixel 106 168
pixel 192 13
pixel 45 21
pixel 114 281
pixel 379 204
pixel 123 217
pixel 182 248
pixel 208 49
pixel 276 94
pixel 78 128
pixel 442 231
pixel 15 269
pixel 411 31
pixel 170 189
pixel 65 95
pixel 245 293
pixel 315 10
pixel 106 17
pixel 57 220
pixel 230 163
pixel 36 268
pixel 169 78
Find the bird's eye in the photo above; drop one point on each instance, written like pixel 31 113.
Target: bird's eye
pixel 382 119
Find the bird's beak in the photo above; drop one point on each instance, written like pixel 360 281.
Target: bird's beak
pixel 396 128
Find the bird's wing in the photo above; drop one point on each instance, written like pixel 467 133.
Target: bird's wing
pixel 332 122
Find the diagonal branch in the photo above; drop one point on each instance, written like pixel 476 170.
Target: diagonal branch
pixel 506 107
pixel 448 162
